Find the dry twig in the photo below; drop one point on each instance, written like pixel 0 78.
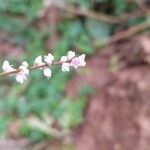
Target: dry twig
pixel 101 16
pixel 130 32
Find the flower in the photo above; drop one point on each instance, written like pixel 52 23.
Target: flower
pixel 71 60
pixel 63 58
pixel 20 77
pixel 6 67
pixel 71 55
pixel 65 67
pixel 49 59
pixel 78 61
pixel 38 61
pixel 24 72
pixel 82 60
pixel 24 68
pixel 75 63
pixel 47 72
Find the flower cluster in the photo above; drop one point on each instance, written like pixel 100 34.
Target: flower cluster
pixel 44 63
pixel 48 60
pixel 72 60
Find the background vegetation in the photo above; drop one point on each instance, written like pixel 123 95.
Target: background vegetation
pixel 44 102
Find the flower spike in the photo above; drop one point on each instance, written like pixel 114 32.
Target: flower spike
pixel 21 74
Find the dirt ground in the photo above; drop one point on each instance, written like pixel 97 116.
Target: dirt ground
pixel 117 115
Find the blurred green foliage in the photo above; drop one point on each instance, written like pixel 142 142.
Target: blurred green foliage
pixel 34 135
pixel 38 95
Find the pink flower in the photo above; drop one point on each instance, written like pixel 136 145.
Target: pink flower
pixel 20 77
pixel 7 67
pixel 24 72
pixel 63 58
pixel 38 61
pixel 71 55
pixel 49 58
pixel 47 72
pixel 78 61
pixel 65 67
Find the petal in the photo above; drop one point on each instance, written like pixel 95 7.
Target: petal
pixel 24 70
pixel 71 55
pixel 65 67
pixel 50 56
pixel 75 62
pixel 47 72
pixel 63 58
pixel 82 60
pixel 5 65
pixel 38 61
pixel 25 64
pixel 19 78
pixel 82 57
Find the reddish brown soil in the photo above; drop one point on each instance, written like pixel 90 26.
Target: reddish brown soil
pixel 118 112
pixel 8 49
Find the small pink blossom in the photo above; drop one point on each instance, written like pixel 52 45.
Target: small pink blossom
pixel 49 59
pixel 65 67
pixel 47 72
pixel 20 77
pixel 24 72
pixel 82 60
pixel 38 61
pixel 71 55
pixel 63 58
pixel 7 67
pixel 78 61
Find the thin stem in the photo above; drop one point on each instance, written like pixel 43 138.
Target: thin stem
pixel 32 68
pixel 100 16
pixel 130 32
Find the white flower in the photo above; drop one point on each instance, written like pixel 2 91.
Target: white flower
pixel 24 68
pixel 7 67
pixel 71 55
pixel 47 72
pixel 63 58
pixel 49 59
pixel 65 67
pixel 20 77
pixel 25 64
pixel 82 60
pixel 24 72
pixel 38 61
pixel 78 61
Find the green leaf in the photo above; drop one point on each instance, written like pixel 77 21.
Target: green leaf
pixel 34 135
pixel 84 4
pixel 3 125
pixel 98 30
pixel 71 113
pixel 120 6
pixel 85 90
pixel 73 30
pixel 84 44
